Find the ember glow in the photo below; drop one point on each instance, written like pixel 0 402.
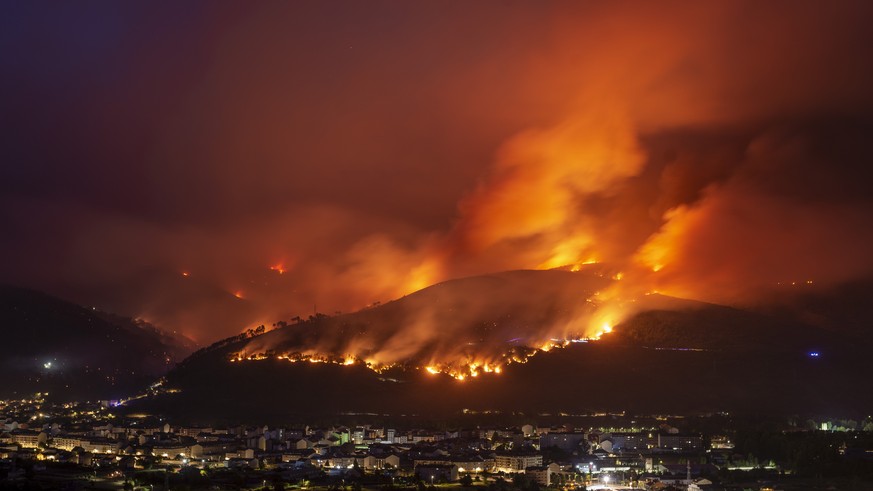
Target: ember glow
pixel 447 329
pixel 460 369
pixel 708 150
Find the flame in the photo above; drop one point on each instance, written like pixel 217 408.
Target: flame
pixel 238 294
pixel 185 274
pixel 463 371
pixel 417 345
pixel 279 268
pixel 472 367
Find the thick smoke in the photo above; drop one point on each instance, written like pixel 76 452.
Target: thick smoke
pixel 463 327
pixel 781 220
pixel 542 176
pixel 295 160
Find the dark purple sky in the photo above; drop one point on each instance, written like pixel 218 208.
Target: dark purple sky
pixel 372 148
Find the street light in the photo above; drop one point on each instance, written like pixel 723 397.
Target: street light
pixel 431 479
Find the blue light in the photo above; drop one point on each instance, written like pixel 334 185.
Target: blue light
pixel 814 354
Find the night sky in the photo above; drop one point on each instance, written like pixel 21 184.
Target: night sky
pixel 209 166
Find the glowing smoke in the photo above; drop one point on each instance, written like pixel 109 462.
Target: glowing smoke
pixel 462 327
pixel 723 143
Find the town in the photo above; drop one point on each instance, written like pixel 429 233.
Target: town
pixel 46 445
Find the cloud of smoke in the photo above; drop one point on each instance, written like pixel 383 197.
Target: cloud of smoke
pixel 772 225
pixel 540 178
pixel 723 143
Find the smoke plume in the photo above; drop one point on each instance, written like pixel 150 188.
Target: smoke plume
pixel 264 162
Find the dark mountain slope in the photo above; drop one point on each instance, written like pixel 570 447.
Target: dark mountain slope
pixel 72 352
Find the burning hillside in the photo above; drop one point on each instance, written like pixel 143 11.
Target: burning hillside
pixel 718 353
pixel 464 328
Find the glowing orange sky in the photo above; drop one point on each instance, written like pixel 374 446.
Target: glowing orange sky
pixel 161 159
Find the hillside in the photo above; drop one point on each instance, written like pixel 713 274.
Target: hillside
pixel 672 356
pixel 475 317
pixel 666 322
pixel 73 352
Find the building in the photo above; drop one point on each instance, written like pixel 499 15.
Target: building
pixel 67 443
pixel 542 474
pixel 567 442
pixel 680 443
pixel 632 442
pixel 378 462
pixel 516 462
pixel 28 439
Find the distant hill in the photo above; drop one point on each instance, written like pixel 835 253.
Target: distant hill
pixel 73 352
pixel 666 322
pixel 672 356
pixel 846 309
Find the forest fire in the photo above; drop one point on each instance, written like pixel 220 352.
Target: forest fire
pixel 466 328
pixel 659 138
pixel 460 370
pixel 406 349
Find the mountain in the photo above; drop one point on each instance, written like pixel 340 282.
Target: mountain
pixel 74 352
pixel 453 324
pixel 673 355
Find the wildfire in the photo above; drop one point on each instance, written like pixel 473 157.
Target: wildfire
pixel 279 268
pixel 459 370
pixel 453 338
